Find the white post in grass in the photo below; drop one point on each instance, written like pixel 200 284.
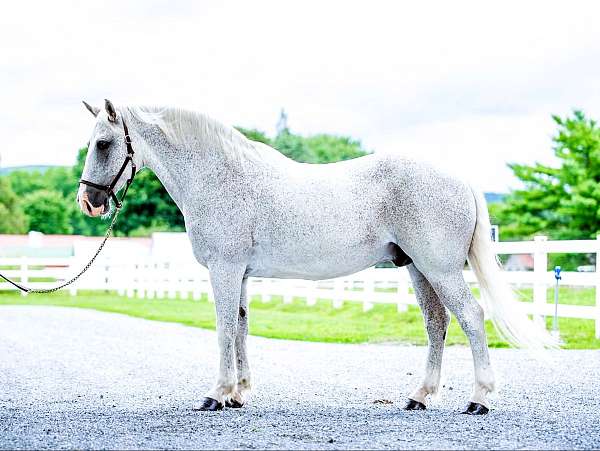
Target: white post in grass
pixel 368 293
pixel 130 271
pixel 540 268
pixel 597 287
pixel 338 293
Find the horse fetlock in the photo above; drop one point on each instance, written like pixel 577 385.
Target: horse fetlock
pixel 479 395
pixel 485 380
pixel 222 390
pixel 420 395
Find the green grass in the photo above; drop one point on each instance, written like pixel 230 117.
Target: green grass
pixel 297 321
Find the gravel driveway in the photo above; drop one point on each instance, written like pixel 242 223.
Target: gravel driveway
pixel 73 378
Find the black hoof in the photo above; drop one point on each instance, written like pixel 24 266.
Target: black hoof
pixel 209 405
pixel 232 403
pixel 414 405
pixel 474 408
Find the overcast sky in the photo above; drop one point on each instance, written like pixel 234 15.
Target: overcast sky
pixel 469 86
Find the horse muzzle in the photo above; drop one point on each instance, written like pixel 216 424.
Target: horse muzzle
pixel 94 205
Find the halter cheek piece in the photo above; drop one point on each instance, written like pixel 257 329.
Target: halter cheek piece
pixel 110 189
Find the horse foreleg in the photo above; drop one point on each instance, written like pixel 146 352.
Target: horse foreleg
pixel 241 351
pixel 226 281
pixel 437 319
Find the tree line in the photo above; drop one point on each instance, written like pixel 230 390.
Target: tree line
pixel 45 201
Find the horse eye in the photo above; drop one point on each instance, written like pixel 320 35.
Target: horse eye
pixel 103 145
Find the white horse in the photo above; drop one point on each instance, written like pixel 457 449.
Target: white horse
pixel 250 211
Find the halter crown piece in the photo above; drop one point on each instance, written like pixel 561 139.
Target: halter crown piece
pixel 108 189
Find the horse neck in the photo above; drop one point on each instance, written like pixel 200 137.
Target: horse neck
pixel 195 170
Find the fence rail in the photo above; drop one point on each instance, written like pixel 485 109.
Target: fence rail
pixel 156 277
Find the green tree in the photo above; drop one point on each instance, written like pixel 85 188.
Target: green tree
pixel 562 202
pixel 149 208
pixel 25 182
pixel 321 148
pixel 47 213
pixel 294 146
pixel 330 148
pixel 255 135
pixel 12 217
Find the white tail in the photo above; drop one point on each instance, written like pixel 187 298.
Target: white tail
pixel 497 297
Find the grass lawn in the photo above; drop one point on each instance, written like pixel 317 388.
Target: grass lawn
pixel 297 321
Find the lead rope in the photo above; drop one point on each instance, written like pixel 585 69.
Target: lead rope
pixel 86 267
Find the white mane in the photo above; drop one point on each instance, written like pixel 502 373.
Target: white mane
pixel 188 129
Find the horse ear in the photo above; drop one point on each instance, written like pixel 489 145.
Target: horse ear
pixel 91 109
pixel 110 110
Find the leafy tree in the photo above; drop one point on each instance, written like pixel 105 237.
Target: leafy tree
pixel 149 207
pixel 294 147
pixel 330 148
pixel 47 213
pixel 562 202
pixel 25 182
pixel 255 135
pixel 12 217
pixel 321 148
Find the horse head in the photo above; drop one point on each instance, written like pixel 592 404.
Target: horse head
pixel 108 155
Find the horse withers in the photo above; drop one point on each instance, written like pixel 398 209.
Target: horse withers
pixel 250 211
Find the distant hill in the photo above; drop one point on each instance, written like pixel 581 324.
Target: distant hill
pixel 491 198
pixel 31 168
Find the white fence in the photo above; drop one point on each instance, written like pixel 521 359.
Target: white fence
pixel 156 276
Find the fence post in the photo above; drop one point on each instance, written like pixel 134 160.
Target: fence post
pixel 368 293
pixel 130 268
pixel 597 287
pixel 540 268
pixel 24 276
pixel 73 288
pixel 338 293
pixel 288 292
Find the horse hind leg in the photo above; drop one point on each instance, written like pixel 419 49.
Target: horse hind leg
pixel 456 295
pixel 436 318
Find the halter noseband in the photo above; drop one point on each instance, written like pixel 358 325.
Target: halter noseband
pixel 109 189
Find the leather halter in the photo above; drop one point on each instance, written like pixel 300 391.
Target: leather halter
pixel 110 189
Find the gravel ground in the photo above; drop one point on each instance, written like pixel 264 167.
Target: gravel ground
pixel 73 378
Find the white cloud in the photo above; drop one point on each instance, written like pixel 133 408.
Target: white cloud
pixel 474 80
